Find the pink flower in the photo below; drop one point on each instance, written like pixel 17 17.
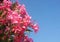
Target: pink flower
pixel 16 29
pixel 2 21
pixel 14 17
pixel 35 27
pixel 22 10
pixel 30 40
pixel 26 39
pixel 15 22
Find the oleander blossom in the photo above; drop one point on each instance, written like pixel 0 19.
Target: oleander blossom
pixel 14 22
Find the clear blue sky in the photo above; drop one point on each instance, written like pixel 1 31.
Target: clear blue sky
pixel 47 14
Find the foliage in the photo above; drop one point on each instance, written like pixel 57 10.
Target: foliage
pixel 14 22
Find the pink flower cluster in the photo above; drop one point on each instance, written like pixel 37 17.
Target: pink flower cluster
pixel 14 21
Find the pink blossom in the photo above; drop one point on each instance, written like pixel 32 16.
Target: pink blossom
pixel 15 21
pixel 22 10
pixel 35 27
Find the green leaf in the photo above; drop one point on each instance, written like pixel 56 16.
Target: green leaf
pixel 28 30
pixel 2 27
pixel 1 12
